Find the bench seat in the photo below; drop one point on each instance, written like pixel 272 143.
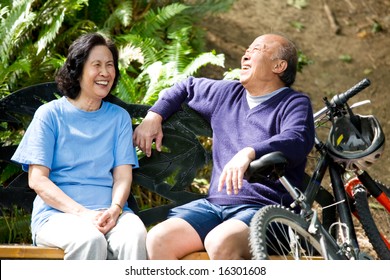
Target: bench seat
pixel 30 252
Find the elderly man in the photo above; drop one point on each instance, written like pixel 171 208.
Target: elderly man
pixel 257 115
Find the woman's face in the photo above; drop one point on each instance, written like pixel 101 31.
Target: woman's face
pixel 98 73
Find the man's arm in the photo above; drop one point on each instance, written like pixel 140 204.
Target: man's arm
pixel 148 130
pixel 233 172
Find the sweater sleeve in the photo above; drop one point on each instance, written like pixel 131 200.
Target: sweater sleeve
pixel 201 94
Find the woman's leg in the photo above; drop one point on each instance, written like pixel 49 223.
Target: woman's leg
pixel 78 237
pixel 126 241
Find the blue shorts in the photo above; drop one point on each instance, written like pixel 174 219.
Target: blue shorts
pixel 203 216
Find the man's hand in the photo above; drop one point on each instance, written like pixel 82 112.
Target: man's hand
pixel 148 130
pixel 233 172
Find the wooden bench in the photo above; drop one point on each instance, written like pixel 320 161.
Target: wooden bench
pixel 168 174
pixel 30 252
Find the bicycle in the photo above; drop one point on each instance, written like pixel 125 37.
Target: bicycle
pixel 277 230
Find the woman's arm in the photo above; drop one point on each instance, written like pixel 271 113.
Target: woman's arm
pixel 38 179
pixel 123 177
pixel 121 190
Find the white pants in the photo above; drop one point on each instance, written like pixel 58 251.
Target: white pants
pixel 81 240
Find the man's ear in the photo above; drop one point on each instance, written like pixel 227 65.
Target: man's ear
pixel 280 67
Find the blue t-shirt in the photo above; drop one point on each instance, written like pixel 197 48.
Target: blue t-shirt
pixel 81 149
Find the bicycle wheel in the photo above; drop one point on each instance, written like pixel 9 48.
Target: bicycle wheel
pixel 375 220
pixel 278 233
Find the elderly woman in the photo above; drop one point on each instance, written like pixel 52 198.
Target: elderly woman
pixel 79 155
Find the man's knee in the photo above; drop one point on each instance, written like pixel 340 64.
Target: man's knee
pixel 228 241
pixel 157 241
pixel 157 235
pixel 225 249
pixel 217 247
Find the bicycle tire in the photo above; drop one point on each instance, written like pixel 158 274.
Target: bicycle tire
pixel 374 230
pixel 270 232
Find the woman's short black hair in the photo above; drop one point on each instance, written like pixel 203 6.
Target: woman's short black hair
pixel 68 77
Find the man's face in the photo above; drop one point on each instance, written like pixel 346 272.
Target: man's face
pixel 259 60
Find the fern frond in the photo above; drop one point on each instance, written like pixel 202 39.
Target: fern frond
pixel 154 22
pixel 147 45
pixel 48 34
pixel 51 17
pixel 13 27
pixel 3 11
pixel 177 49
pixel 67 36
pixel 127 89
pixel 232 74
pixel 9 75
pixel 159 76
pixel 122 15
pixel 203 60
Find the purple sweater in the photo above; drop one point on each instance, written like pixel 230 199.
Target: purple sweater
pixel 282 123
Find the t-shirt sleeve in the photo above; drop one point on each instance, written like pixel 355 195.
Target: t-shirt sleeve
pixel 125 152
pixel 37 144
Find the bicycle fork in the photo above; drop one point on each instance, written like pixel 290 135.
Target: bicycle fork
pixel 350 243
pixel 315 228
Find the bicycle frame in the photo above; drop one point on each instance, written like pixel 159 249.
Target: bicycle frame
pixel 316 227
pixel 350 244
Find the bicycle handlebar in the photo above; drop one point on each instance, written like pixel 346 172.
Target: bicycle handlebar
pixel 342 98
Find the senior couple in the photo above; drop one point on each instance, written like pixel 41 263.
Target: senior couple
pixel 79 155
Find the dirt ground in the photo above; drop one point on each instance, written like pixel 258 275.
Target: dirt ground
pixel 357 49
pixel 346 40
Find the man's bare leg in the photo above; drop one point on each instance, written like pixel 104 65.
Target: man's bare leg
pixel 172 239
pixel 228 241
